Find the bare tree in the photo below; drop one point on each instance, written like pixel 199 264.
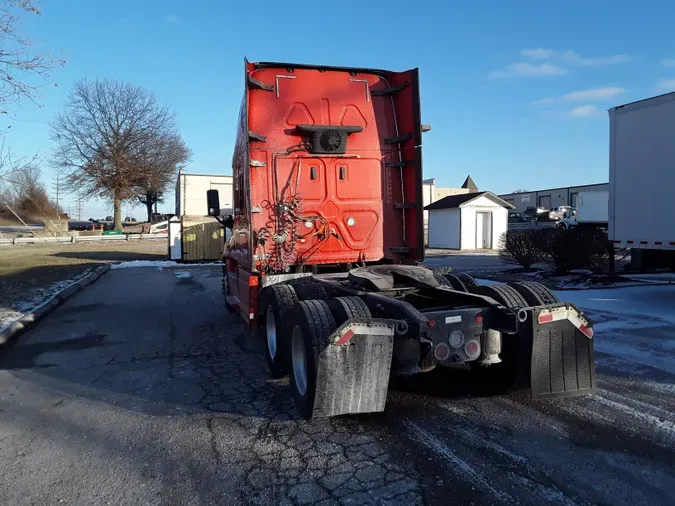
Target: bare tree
pixel 17 64
pixel 103 138
pixel 160 164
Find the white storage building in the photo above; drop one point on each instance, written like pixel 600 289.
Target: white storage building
pixel 468 222
pixel 191 193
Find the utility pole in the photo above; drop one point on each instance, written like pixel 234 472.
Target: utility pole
pixel 57 188
pixel 79 205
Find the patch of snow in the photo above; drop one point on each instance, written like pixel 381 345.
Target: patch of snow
pixel 182 274
pixel 473 475
pixel 666 426
pixel 8 316
pixel 654 301
pixel 160 264
pixel 19 309
pixel 636 355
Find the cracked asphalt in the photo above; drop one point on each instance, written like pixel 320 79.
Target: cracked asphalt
pixel 143 389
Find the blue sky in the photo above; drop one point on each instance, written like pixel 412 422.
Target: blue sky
pixel 516 92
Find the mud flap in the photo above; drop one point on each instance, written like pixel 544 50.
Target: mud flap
pixel 562 362
pixel 353 370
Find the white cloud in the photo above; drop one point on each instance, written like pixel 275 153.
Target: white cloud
pixel 572 57
pixel 584 111
pixel 666 85
pixel 537 54
pixel 583 95
pixel 668 62
pixel 172 19
pixel 528 69
pixel 576 59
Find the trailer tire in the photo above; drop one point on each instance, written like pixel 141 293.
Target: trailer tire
pixel 504 294
pixel 312 323
pixel 312 291
pixel 535 294
pixel 344 308
pixel 276 304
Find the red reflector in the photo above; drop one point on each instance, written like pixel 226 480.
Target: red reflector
pixel 630 242
pixel 432 323
pixel 345 338
pixel 472 349
pixel 442 351
pixel 253 281
pixel 546 318
pixel 479 319
pixel 658 243
pixel 643 242
pixel 617 242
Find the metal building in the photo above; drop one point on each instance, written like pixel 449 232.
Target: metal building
pixel 552 197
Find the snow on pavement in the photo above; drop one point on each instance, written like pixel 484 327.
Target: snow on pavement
pixel 19 309
pixel 635 326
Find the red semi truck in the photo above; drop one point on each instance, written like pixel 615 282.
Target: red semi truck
pixel 326 241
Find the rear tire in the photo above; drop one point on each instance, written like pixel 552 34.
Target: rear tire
pixel 312 291
pixel 276 305
pixel 504 294
pixel 535 294
pixel 312 324
pixel 344 308
pixel 499 378
pixel 468 281
pixel 456 282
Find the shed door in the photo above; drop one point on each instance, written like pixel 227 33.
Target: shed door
pixel 483 230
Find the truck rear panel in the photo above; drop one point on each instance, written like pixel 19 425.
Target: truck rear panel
pixel 641 175
pixel 327 167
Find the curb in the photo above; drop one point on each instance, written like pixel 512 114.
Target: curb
pixel 46 307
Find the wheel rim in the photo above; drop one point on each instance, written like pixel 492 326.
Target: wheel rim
pixel 271 332
pixel 299 358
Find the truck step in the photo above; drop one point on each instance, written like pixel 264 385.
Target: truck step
pixel 399 139
pixel 252 136
pixel 404 163
pixel 404 205
pixel 254 84
pixel 400 249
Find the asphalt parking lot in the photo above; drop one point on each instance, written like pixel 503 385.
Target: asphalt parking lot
pixel 143 389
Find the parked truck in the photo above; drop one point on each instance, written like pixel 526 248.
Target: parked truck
pixel 592 211
pixel 641 179
pixel 327 239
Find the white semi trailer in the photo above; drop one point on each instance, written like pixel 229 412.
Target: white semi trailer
pixel 642 179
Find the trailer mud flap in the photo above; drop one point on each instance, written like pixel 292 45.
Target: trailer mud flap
pixel 562 363
pixel 353 371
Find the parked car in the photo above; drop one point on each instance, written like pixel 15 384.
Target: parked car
pixel 520 218
pixel 160 228
pixel 557 213
pixel 538 213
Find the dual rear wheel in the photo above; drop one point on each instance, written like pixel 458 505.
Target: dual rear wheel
pixel 296 331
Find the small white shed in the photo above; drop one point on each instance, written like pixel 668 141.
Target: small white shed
pixel 473 221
